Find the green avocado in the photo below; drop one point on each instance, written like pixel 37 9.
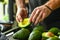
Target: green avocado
pixel 53 38
pixel 46 35
pixel 54 30
pixel 22 34
pixel 35 35
pixel 39 28
pixel 24 23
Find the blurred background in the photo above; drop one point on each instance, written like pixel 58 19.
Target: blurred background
pixel 8 9
pixel 7 13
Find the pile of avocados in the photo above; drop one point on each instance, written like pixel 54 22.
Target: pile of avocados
pixel 37 33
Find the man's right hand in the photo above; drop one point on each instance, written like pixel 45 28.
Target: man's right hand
pixel 21 14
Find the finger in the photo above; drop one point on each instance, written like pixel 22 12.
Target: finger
pixel 34 11
pixel 39 17
pixel 43 17
pixel 17 19
pixel 20 18
pixel 26 12
pixel 35 16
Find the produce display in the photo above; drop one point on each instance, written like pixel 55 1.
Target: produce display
pixel 38 32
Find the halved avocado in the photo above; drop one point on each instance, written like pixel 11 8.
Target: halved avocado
pixel 24 23
pixel 47 34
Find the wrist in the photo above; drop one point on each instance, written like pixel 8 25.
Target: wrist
pixel 53 4
pixel 50 5
pixel 20 3
pixel 49 8
pixel 19 8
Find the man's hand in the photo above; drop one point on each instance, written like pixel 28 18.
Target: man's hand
pixel 39 14
pixel 21 14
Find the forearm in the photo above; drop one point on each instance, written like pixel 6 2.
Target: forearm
pixel 53 4
pixel 20 3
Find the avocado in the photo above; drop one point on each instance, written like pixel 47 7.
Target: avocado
pixel 54 30
pixel 24 23
pixel 53 38
pixel 39 28
pixel 44 37
pixel 47 34
pixel 35 35
pixel 44 34
pixel 22 34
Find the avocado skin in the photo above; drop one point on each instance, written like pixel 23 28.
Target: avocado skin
pixel 22 34
pixel 39 28
pixel 35 35
pixel 54 30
